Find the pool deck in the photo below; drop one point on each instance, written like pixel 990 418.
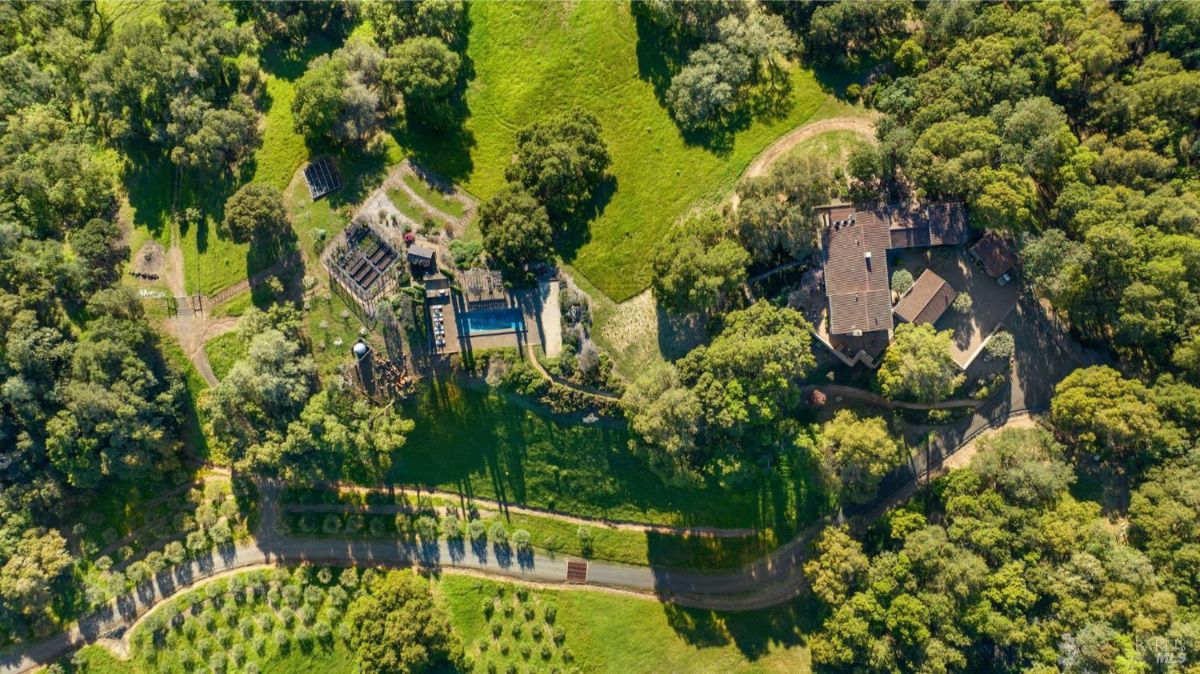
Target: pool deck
pixel 536 307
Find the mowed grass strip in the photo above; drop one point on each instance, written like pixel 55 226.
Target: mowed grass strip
pixel 532 59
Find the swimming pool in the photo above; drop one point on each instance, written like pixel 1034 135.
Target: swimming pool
pixel 504 320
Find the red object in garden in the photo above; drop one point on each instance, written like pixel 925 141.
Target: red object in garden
pixel 409 237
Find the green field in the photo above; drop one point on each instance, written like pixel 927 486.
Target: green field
pixel 600 632
pixel 532 59
pixel 613 633
pixel 491 445
pixel 223 351
pixel 836 145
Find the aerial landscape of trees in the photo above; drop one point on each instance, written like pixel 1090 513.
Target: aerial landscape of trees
pixel 1067 542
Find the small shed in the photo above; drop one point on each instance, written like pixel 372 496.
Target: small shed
pixel 995 255
pixel 421 257
pixel 926 300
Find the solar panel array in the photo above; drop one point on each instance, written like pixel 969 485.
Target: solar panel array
pixel 322 178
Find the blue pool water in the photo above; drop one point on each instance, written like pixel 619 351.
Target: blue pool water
pixel 505 320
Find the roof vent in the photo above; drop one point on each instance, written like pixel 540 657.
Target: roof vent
pixel 856 333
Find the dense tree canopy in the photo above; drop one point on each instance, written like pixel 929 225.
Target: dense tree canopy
pixel 724 403
pixel 425 71
pixel 264 391
pixel 174 80
pixel 774 216
pixel 698 266
pixel 516 231
pixel 560 160
pixel 918 365
pixel 398 628
pixel 1016 575
pixel 342 96
pixel 858 452
pixel 254 211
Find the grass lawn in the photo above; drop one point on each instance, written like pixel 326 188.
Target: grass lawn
pixel 194 439
pixel 831 144
pixel 434 197
pixel 532 59
pixel 613 633
pixel 223 351
pixel 405 205
pixel 491 445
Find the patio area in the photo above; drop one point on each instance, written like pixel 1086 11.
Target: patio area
pixel 991 303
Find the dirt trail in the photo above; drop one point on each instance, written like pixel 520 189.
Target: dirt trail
pixel 193 331
pixel 864 126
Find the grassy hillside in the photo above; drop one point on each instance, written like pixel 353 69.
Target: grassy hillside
pixel 531 59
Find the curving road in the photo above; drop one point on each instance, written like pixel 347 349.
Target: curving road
pixel 771 580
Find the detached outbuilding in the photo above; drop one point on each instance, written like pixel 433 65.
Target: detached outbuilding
pixel 926 300
pixel 995 255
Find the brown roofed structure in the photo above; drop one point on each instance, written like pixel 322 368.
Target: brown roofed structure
pixel 996 255
pixel 926 300
pixel 856 277
pixel 939 224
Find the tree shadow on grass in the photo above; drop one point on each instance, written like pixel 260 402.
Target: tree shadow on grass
pixel 150 184
pixel 576 230
pixel 753 633
pixel 660 52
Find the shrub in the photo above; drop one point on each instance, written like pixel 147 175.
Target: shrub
pixel 217 662
pixel 1000 347
pixel 378 527
pixel 197 542
pixel 498 534
pixel 175 553
pixel 559 635
pixel 453 527
pixel 526 650
pixel 348 578
pixel 515 630
pixel 303 634
pixel 497 630
pixel 902 280
pixel 427 528
pixel 325 576
pixel 237 653
pixel 529 613
pixel 323 631
pixel 292 596
pixel 523 594
pixel 489 608
pixel 585 539
pixel 338 597
pixel 259 645
pixel 332 524
pixel 546 653
pixel 522 540
pixel 550 612
pixel 477 531
pixel 535 631
pixel 314 595
pixel 962 303
pixel 306 615
pixel 281 639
